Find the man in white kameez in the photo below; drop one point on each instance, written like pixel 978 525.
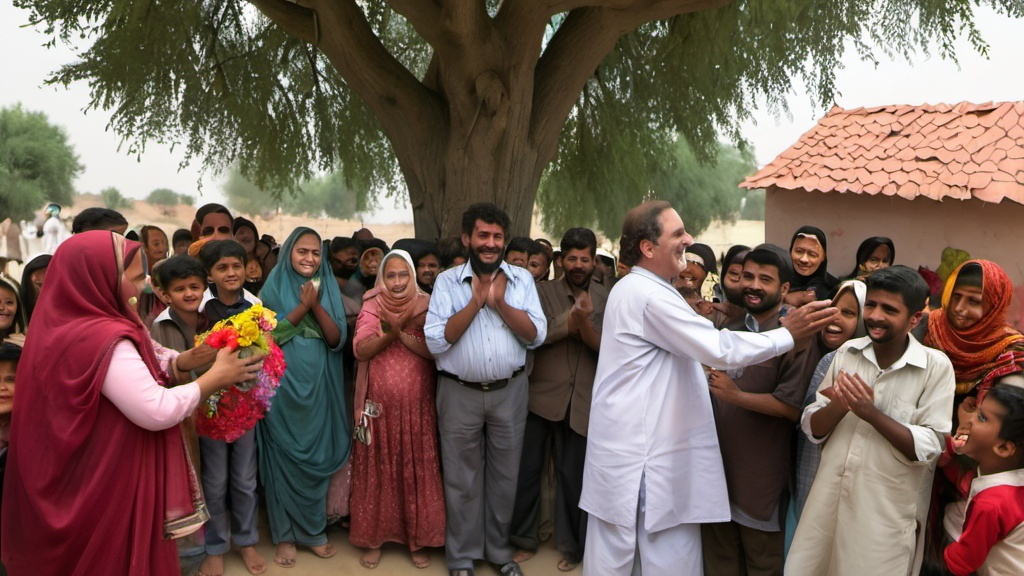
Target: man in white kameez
pixel 653 467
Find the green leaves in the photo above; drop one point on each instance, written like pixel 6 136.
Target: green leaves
pixel 37 165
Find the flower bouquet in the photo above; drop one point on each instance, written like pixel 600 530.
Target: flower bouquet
pixel 229 413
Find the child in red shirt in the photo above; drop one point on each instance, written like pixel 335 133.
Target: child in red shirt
pixel 992 541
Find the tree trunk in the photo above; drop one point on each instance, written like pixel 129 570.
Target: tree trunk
pixel 485 121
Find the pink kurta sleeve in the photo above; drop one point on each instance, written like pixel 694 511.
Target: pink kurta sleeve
pixel 367 326
pixel 130 386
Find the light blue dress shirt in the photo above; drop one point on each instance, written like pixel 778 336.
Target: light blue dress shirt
pixel 488 350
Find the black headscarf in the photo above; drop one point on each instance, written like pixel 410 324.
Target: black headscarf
pixel 820 281
pixel 28 291
pixel 867 247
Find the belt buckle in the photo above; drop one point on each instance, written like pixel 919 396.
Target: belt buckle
pixel 485 386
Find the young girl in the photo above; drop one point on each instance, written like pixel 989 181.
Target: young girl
pixel 992 541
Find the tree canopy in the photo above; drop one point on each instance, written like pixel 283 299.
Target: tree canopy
pixel 37 165
pixel 472 100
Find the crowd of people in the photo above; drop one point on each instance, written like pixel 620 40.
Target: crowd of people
pixel 667 413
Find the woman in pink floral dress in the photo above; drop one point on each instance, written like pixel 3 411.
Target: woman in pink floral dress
pixel 397 495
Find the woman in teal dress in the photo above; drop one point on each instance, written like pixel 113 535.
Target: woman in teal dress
pixel 305 436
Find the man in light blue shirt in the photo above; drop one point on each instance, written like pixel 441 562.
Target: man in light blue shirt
pixel 483 316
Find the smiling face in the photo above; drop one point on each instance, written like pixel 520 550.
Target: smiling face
pixel 306 255
pixel 579 267
pixel 762 290
pixel 184 294
pixel 427 269
pixel 844 323
pixel 228 274
pixel 396 275
pixel 807 255
pixel 8 308
pixel 886 317
pixel 982 427
pixel 665 258
pixel 7 370
pixel 486 245
pixel 966 306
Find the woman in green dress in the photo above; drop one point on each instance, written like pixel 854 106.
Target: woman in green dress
pixel 305 436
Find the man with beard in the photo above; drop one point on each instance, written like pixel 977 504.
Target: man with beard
pixel 482 318
pixel 882 412
pixel 560 389
pixel 755 409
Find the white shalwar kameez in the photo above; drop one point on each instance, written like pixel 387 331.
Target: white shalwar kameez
pixel 651 419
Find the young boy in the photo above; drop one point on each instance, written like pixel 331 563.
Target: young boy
pixel 882 412
pixel 992 541
pixel 179 282
pixel 228 466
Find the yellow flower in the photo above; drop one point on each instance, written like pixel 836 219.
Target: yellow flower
pixel 248 333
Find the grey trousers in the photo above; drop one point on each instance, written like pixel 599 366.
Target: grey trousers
pixel 481 437
pixel 229 467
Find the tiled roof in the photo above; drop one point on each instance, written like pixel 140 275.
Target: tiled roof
pixel 942 151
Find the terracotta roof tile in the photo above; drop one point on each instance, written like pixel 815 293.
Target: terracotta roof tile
pixel 938 151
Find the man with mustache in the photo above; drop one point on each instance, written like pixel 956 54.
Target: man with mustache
pixel 483 316
pixel 560 389
pixel 881 414
pixel 755 411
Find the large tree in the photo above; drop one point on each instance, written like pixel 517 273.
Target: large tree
pixel 469 98
pixel 37 165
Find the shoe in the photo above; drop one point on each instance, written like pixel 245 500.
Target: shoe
pixel 510 569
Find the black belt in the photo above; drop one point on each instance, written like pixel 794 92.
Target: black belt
pixel 483 386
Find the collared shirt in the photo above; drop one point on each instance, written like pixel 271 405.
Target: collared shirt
pixel 866 491
pixel 563 368
pixel 488 350
pixel 992 541
pixel 651 411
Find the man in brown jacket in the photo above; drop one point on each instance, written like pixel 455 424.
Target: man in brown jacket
pixel 560 387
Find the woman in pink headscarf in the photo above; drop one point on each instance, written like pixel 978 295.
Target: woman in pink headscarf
pixel 97 478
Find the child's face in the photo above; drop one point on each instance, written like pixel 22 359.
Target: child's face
pixel 184 294
pixel 516 258
pixel 537 264
pixel 7 369
pixel 982 429
pixel 8 308
pixel 228 274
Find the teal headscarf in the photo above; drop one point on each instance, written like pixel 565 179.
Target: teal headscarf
pixel 284 284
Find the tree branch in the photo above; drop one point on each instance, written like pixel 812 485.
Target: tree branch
pixel 423 15
pixel 587 35
pixel 292 18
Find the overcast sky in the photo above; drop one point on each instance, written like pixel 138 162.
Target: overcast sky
pixel 27 63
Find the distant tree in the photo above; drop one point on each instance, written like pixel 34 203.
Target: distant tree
pixel 325 195
pixel 187 199
pixel 37 165
pixel 753 206
pixel 164 198
pixel 702 192
pixel 113 199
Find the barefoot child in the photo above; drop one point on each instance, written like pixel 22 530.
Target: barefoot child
pixel 992 541
pixel 228 466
